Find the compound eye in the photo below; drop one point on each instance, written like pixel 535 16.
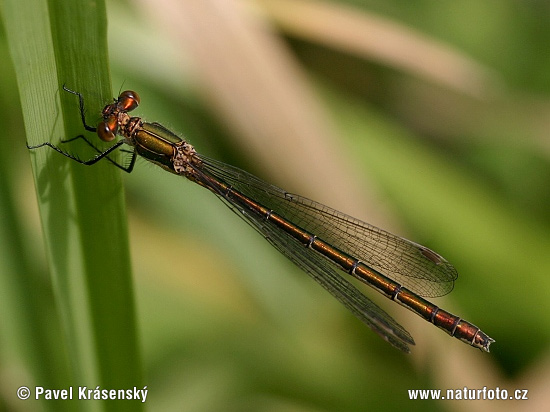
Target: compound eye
pixel 107 130
pixel 128 100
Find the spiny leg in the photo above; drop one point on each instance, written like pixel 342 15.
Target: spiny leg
pixel 93 160
pixel 81 108
pixel 127 169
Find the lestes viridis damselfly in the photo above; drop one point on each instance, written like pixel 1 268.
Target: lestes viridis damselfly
pixel 322 241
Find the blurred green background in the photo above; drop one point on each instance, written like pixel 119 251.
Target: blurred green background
pixel 427 118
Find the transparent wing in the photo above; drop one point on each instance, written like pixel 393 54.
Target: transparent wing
pixel 326 274
pixel 414 266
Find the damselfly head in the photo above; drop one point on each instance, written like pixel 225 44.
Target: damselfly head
pixel 107 129
pixel 128 101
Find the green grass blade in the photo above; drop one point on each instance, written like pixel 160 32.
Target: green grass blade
pixel 82 209
pixel 32 352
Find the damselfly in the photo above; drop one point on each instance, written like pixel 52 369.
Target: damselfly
pixel 320 240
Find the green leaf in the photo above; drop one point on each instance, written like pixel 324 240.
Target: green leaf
pixel 82 208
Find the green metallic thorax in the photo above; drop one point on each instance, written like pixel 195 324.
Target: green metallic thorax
pixel 157 144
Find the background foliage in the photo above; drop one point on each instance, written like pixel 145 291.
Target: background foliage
pixel 427 118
